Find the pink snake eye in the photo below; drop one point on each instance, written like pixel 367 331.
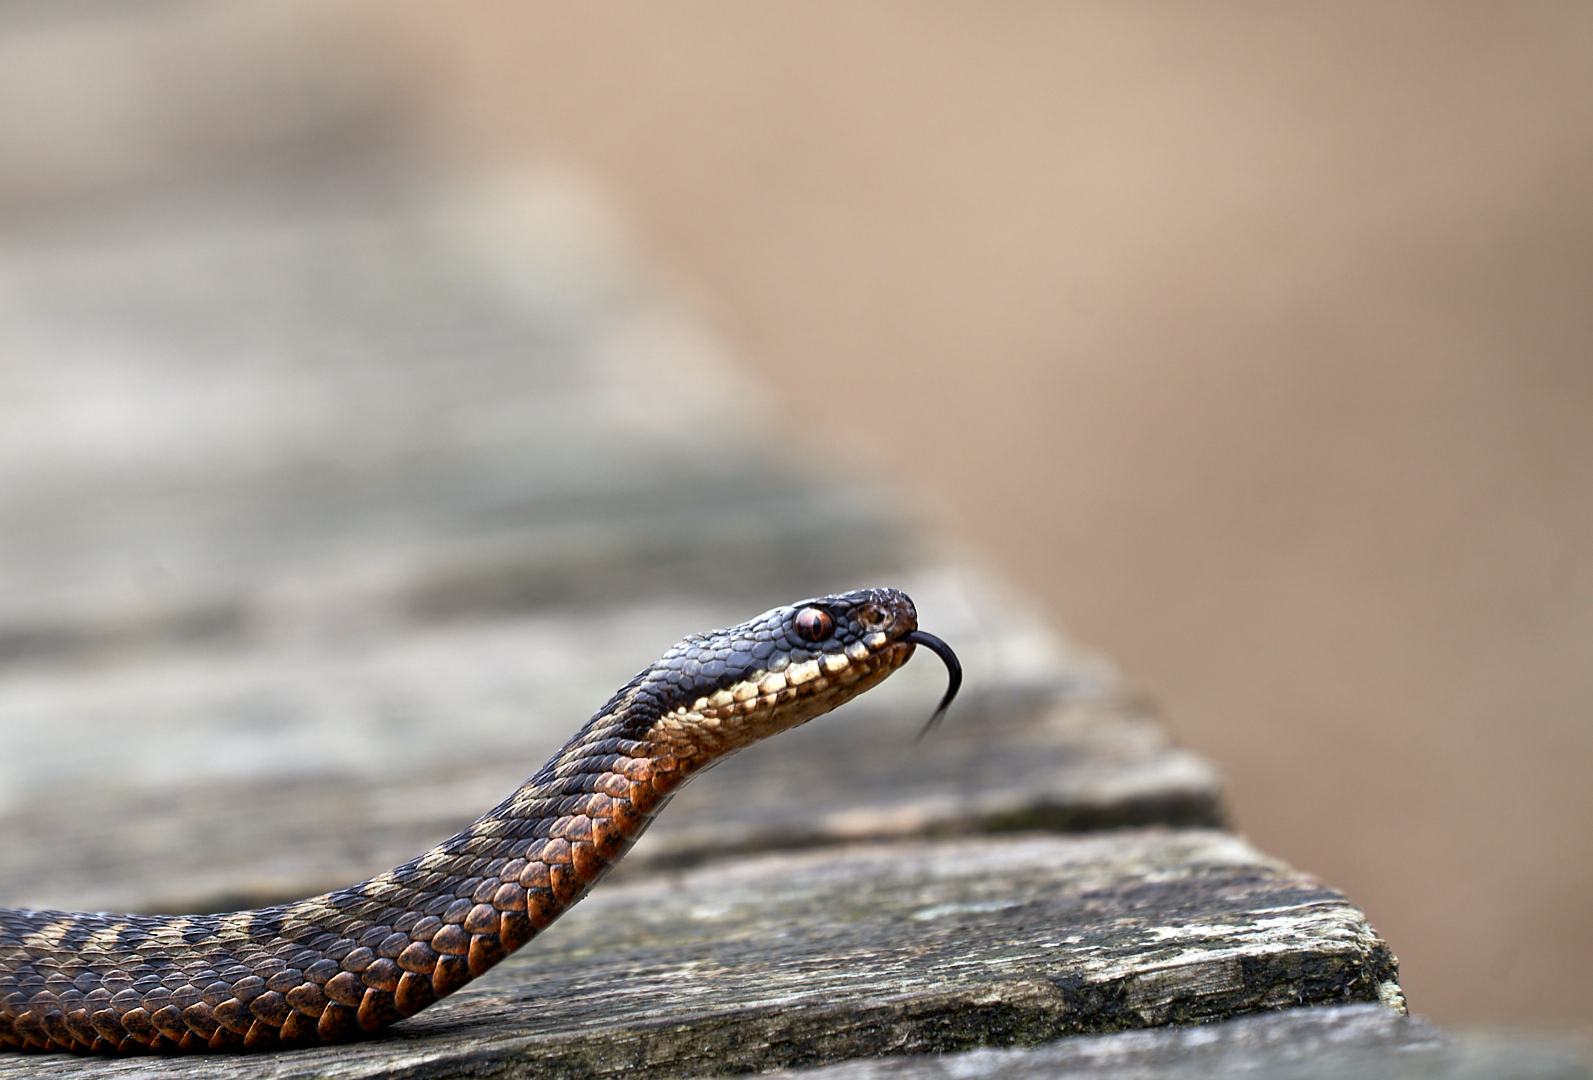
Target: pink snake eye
pixel 813 624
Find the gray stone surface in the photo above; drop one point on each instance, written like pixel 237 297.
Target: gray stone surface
pixel 908 947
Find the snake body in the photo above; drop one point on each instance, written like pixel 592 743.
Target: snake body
pixel 340 965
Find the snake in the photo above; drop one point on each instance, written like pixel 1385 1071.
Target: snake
pixel 344 964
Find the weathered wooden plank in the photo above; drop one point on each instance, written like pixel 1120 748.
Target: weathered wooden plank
pixel 1323 1038
pixel 1015 760
pixel 403 408
pixel 306 568
pixel 1366 1042
pixel 330 511
pixel 241 842
pixel 914 947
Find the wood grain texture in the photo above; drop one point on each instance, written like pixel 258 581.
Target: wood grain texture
pixel 806 958
pixel 1331 1042
pixel 362 547
pixel 1324 1037
pixel 1004 763
pixel 315 563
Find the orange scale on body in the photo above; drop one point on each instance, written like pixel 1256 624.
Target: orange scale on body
pixel 383 975
pixel 536 876
pixel 260 1036
pixel 234 1016
pixel 485 951
pixel 298 1028
pixel 451 940
pixel 271 1007
pixel 198 1018
pixel 55 1027
pixel 574 828
pixel 628 818
pixel 598 805
pixel 483 919
pixel 377 1010
pixel 307 999
pixel 565 883
pixel 344 988
pixel 105 1023
pixel 418 957
pixel 337 1022
pixel 587 862
pixel 510 896
pixel 541 908
pixel 414 993
pixel 608 840
pixel 514 930
pixel 168 1021
pixel 450 974
pixel 137 1023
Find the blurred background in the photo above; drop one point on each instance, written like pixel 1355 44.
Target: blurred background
pixel 1254 342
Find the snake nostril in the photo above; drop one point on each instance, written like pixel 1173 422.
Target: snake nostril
pixel 873 617
pixel 813 624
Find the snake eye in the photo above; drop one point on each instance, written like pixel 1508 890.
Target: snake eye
pixel 813 624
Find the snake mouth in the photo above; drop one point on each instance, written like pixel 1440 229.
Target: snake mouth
pixel 953 673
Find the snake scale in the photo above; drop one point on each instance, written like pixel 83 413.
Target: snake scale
pixel 341 965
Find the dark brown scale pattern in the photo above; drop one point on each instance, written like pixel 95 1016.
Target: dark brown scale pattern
pixel 337 966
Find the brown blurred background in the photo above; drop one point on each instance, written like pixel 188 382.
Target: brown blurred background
pixel 1255 340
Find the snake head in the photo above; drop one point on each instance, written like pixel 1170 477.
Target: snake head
pixel 725 690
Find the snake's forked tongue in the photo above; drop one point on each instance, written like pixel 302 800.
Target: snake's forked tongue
pixel 953 670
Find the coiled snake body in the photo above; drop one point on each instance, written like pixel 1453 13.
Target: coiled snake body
pixel 337 966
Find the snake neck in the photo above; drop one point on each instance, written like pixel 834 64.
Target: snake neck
pixel 334 966
pixel 567 825
pixel 351 961
pixel 513 871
